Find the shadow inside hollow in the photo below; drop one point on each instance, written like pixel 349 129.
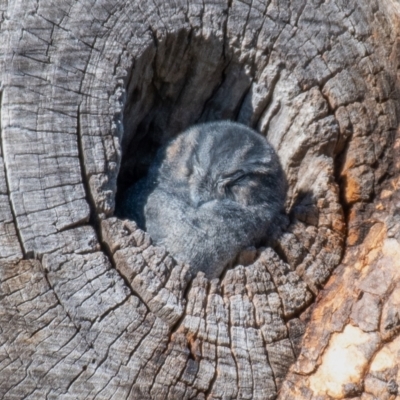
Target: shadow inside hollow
pixel 304 208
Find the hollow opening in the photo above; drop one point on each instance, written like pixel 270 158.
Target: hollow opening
pixel 184 78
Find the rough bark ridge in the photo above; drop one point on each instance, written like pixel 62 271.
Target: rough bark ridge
pixel 89 308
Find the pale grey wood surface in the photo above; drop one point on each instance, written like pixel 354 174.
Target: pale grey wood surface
pixel 89 308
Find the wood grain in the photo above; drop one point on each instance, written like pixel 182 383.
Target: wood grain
pixel 89 308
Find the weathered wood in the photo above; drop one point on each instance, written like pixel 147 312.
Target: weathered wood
pixel 90 308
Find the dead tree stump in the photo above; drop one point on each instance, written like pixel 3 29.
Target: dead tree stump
pixel 89 308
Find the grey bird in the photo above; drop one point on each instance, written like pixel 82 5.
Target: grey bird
pixel 212 191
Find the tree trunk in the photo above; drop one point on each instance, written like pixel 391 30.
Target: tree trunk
pixel 89 308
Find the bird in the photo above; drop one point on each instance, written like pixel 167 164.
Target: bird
pixel 212 191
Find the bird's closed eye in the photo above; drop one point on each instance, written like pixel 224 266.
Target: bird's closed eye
pixel 232 177
pixel 239 179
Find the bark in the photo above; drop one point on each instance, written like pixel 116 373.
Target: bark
pixel 89 308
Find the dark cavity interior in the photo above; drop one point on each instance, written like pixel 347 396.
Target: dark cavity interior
pixel 180 80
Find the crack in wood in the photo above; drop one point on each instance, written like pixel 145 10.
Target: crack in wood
pixel 25 255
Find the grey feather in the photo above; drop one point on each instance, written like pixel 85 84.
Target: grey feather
pixel 212 191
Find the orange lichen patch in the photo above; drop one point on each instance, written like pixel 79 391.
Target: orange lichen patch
pixel 334 308
pixel 344 361
pixel 372 246
pixel 194 346
pixel 354 233
pixel 352 189
pixel 353 236
pixel 331 311
pixel 350 161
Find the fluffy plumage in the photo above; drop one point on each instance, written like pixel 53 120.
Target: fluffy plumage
pixel 212 191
